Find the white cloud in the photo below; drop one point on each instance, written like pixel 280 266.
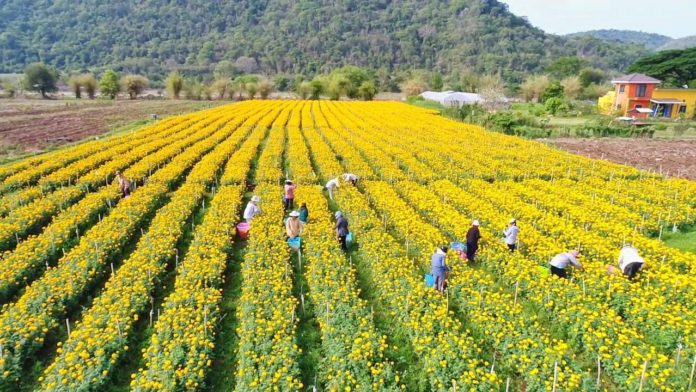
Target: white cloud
pixel 674 18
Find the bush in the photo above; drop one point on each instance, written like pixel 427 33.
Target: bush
pixel 556 105
pixel 514 123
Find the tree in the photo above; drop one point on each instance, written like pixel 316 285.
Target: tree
pixel 265 89
pixel 555 105
pixel 414 87
pixel 134 85
pixel 252 88
pixel 605 104
pixel 674 67
pixel 492 91
pixel 75 84
pixel 9 87
pixel 571 86
pixel 282 82
pixel 206 53
pixel 41 78
pixel 338 86
pixel 589 76
pixel 367 90
pixel 246 65
pixel 174 84
pixel 109 85
pixel 225 69
pixel 436 82
pixel 193 89
pixel 221 86
pixel 90 84
pixel 554 90
pixel 565 66
pixel 317 87
pixel 304 89
pixel 534 87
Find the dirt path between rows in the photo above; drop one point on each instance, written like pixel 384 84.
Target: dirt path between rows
pixel 675 158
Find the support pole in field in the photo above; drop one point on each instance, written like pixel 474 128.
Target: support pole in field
pixel 679 349
pixel 599 372
pixel 67 324
pixel 691 377
pixel 555 376
pixel 642 376
pixel 507 385
pixel 517 288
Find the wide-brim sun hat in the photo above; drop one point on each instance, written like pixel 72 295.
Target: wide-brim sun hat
pixel 338 214
pixel 256 199
pixel 294 214
pixel 513 220
pixel 476 223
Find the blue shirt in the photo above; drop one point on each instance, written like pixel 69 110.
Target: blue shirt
pixel 438 264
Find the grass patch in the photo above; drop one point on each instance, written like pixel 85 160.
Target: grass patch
pixel 685 241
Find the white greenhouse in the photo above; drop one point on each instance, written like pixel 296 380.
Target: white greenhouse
pixel 452 98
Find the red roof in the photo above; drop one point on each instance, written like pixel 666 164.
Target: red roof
pixel 636 78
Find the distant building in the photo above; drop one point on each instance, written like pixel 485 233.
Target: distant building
pixel 452 98
pixel 638 96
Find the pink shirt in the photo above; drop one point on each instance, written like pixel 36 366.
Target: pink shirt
pixel 290 191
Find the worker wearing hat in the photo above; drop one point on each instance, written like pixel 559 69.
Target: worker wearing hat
pixel 289 195
pixel 294 226
pixel 252 209
pixel 472 239
pixel 562 261
pixel 341 228
pixel 511 235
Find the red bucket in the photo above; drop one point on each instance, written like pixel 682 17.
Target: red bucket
pixel 243 230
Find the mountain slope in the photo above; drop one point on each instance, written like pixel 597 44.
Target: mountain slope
pixel 650 40
pixel 680 43
pixel 298 36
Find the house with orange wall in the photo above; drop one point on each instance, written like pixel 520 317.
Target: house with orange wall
pixel 633 94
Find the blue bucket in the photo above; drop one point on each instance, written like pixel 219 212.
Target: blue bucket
pixel 429 280
pixel 295 243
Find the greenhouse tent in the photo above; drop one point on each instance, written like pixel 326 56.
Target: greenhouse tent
pixel 452 98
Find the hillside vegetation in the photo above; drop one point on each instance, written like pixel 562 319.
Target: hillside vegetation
pixel 650 40
pixel 274 36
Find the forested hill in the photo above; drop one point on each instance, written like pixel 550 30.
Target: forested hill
pixel 294 36
pixel 650 40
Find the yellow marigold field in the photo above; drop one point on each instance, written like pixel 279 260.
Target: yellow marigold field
pixel 166 290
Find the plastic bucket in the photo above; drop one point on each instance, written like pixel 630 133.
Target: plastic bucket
pixel 243 230
pixel 295 243
pixel 429 280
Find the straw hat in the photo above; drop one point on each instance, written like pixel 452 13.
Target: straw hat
pixel 476 223
pixel 294 214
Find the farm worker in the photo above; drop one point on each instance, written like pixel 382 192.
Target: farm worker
pixel 439 267
pixel 350 177
pixel 294 226
pixel 332 185
pixel 289 195
pixel 630 261
pixel 304 213
pixel 252 209
pixel 472 239
pixel 123 184
pixel 511 235
pixel 561 261
pixel 341 229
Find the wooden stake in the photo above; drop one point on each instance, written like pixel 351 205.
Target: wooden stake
pixel 67 324
pixel 555 376
pixel 691 377
pixel 517 287
pixel 642 376
pixel 599 372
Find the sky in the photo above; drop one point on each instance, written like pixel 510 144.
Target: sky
pixel 674 18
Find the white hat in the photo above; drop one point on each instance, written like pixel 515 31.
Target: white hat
pixel 256 199
pixel 512 220
pixel 294 214
pixel 476 223
pixel 338 214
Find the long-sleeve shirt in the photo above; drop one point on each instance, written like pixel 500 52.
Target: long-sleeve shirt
pixel 562 260
pixel 251 210
pixel 304 214
pixel 341 227
pixel 511 235
pixel 332 184
pixel 438 263
pixel 629 255
pixel 350 177
pixel 294 227
pixel 473 236
pixel 123 183
pixel 290 191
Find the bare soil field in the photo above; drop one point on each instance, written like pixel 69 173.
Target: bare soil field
pixel 675 158
pixel 34 125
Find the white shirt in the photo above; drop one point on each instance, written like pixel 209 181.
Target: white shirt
pixel 629 255
pixel 562 260
pixel 251 210
pixel 350 177
pixel 511 234
pixel 332 184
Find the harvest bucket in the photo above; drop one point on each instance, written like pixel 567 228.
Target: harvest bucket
pixel 429 280
pixel 295 243
pixel 243 230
